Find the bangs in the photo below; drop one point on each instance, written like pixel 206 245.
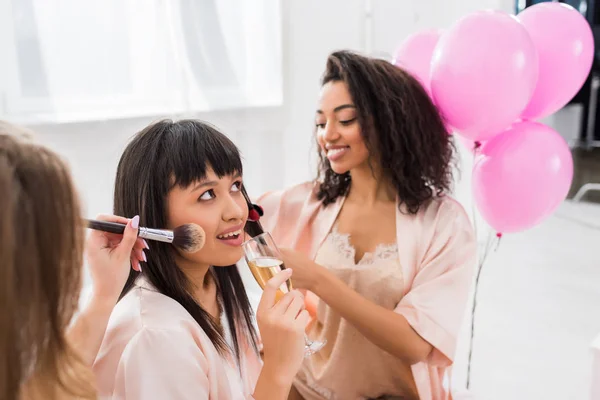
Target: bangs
pixel 194 147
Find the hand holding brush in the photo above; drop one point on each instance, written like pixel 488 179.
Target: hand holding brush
pixel 189 237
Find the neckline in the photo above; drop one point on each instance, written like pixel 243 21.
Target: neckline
pixel 382 251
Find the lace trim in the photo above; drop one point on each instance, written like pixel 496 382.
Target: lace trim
pixel 341 243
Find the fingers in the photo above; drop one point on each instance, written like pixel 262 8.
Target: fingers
pixel 293 306
pixel 114 239
pixel 129 236
pixel 139 254
pixel 112 218
pixel 281 307
pixel 141 244
pixel 135 263
pixel 270 291
pixel 303 319
pixel 124 247
pixel 98 239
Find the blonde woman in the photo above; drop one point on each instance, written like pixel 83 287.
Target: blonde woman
pixel 41 254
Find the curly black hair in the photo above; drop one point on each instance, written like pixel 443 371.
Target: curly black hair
pixel 402 128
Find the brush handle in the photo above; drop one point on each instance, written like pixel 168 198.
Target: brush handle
pixel 159 235
pixel 105 226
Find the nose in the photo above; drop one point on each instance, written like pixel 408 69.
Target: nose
pixel 330 133
pixel 232 210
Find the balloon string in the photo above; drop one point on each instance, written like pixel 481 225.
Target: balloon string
pixel 476 146
pixel 483 258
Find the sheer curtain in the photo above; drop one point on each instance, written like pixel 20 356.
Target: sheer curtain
pixel 78 60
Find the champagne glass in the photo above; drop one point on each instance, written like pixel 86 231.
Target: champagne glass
pixel 265 261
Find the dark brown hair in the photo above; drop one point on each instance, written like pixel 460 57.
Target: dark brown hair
pixel 160 157
pixel 41 246
pixel 400 125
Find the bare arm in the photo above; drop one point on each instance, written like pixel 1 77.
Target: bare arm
pixel 110 258
pixel 426 321
pixel 385 328
pixel 87 332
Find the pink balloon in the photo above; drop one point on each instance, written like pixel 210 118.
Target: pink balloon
pixel 521 176
pixel 565 46
pixel 415 53
pixel 484 71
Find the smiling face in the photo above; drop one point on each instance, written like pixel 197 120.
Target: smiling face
pixel 178 173
pixel 338 130
pixel 219 207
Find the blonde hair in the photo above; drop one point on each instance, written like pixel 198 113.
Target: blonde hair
pixel 41 247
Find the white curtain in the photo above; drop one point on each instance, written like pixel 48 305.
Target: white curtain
pixel 78 60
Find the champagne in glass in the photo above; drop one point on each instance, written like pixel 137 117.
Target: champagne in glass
pixel 264 268
pixel 265 261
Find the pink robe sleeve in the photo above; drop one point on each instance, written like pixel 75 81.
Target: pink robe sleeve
pixel 162 364
pixel 271 204
pixel 435 304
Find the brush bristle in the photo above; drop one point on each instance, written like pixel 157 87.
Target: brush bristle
pixel 189 237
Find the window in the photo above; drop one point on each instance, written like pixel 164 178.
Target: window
pixel 73 60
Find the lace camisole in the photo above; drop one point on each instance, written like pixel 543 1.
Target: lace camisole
pixel 350 366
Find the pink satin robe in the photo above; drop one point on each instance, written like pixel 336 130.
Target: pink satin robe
pixel 437 250
pixel 154 349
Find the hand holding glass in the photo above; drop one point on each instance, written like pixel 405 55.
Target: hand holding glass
pixel 265 261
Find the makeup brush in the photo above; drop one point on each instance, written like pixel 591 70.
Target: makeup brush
pixel 189 237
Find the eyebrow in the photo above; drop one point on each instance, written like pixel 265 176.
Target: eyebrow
pixel 339 108
pixel 204 184
pixel 212 183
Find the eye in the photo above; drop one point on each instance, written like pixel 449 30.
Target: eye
pixel 320 126
pixel 348 121
pixel 237 186
pixel 208 195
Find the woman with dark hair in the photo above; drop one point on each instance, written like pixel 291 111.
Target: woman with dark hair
pixel 386 255
pixel 183 327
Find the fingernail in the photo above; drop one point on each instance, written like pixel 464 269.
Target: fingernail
pixel 140 267
pixel 144 256
pixel 146 244
pixel 135 222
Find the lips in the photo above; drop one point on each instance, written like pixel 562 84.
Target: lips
pixel 334 153
pixel 232 237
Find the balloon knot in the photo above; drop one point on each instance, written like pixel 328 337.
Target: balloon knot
pixel 499 235
pixel 477 144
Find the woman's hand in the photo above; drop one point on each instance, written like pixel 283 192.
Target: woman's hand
pixel 306 272
pixel 281 328
pixel 110 256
